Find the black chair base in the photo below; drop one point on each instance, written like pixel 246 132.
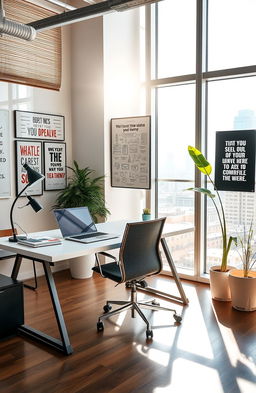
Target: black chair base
pixel 134 305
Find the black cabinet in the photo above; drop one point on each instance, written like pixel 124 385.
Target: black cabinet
pixel 11 305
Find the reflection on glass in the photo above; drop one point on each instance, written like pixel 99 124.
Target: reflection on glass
pixel 231 34
pixel 178 206
pixel 176 37
pixel 232 106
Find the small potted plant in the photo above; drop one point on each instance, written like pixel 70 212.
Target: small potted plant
pixel 146 214
pixel 219 283
pixel 243 282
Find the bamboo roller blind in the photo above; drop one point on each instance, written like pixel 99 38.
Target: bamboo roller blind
pixel 35 63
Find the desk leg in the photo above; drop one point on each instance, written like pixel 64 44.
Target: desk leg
pixel 155 291
pixel 62 345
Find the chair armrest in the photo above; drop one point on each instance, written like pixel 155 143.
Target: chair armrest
pixel 105 254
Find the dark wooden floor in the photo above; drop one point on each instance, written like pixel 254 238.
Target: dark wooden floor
pixel 212 351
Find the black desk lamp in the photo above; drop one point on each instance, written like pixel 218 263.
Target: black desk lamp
pixel 33 177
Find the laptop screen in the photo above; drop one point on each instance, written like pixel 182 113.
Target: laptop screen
pixel 74 221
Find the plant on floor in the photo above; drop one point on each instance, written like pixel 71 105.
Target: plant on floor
pixel 83 190
pixel 205 167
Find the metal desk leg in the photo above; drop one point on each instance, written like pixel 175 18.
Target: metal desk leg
pixel 167 295
pixel 62 345
pixel 174 272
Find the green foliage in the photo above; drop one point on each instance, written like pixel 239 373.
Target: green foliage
pixel 205 167
pixel 146 211
pixel 83 190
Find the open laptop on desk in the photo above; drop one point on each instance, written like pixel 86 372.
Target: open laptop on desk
pixel 76 224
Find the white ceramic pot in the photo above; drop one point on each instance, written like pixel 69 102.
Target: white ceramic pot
pixel 81 267
pixel 219 283
pixel 243 290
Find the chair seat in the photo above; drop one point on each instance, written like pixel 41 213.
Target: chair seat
pixel 110 270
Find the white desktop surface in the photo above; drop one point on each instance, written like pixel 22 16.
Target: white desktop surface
pixel 69 249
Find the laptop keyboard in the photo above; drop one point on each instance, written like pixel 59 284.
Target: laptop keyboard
pixel 89 235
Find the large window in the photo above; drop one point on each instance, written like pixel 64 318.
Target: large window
pixel 204 80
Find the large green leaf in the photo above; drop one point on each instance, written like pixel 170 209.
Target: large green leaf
pixel 200 161
pixel 202 191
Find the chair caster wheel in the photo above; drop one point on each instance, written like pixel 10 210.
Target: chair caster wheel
pixel 143 284
pixel 155 303
pixel 177 318
pixel 107 308
pixel 149 334
pixel 100 326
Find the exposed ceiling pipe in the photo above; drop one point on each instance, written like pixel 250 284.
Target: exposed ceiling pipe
pixel 90 11
pixel 15 29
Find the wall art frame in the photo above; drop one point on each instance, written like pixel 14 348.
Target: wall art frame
pixel 37 125
pixel 131 152
pixel 55 169
pixel 29 152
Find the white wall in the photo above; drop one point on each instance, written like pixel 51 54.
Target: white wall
pixel 105 84
pixel 122 98
pixel 47 101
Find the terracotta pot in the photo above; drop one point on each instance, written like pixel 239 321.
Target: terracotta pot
pixel 243 290
pixel 219 283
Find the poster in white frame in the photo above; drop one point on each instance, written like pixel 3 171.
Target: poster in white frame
pixel 55 166
pixel 28 152
pixel 5 170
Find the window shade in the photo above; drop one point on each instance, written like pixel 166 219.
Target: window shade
pixel 35 63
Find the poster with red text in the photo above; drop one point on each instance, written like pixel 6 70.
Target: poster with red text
pixel 55 166
pixel 28 152
pixel 33 125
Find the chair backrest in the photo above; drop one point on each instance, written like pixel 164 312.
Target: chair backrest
pixel 139 253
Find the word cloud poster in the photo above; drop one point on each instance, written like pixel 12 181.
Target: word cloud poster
pixel 130 152
pixel 235 160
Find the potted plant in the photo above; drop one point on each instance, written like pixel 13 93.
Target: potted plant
pixel 243 282
pixel 83 190
pixel 219 283
pixel 146 214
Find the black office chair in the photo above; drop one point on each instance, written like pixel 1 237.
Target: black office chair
pixel 139 257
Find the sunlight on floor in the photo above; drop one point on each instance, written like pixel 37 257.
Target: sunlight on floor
pixel 246 386
pixel 120 320
pixel 194 338
pixel 154 354
pixel 197 378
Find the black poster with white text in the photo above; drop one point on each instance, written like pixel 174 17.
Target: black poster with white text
pixel 235 160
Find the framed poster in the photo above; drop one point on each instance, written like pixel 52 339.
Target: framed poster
pixel 55 166
pixel 235 160
pixel 33 125
pixel 130 152
pixel 28 152
pixel 5 174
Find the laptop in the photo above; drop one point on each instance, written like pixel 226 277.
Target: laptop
pixel 76 224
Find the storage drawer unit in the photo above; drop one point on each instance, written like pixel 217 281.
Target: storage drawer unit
pixel 11 305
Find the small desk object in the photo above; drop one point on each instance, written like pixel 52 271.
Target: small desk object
pixel 51 255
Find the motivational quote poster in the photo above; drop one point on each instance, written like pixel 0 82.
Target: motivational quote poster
pixel 55 166
pixel 130 152
pixel 235 160
pixel 32 125
pixel 28 152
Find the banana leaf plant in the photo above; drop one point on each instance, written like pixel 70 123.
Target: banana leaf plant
pixel 205 167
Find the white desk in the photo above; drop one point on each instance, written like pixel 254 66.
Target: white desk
pixel 69 250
